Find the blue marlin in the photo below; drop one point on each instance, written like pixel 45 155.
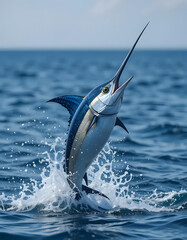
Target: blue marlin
pixel 92 119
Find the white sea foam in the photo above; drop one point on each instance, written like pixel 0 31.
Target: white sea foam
pixel 53 193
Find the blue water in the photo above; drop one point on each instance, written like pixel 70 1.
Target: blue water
pixel 144 173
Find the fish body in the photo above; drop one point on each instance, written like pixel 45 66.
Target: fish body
pixel 89 142
pixel 92 119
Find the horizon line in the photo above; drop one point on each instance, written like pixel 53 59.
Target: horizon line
pixel 91 49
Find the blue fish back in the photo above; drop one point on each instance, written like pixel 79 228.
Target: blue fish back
pixel 77 119
pixel 75 123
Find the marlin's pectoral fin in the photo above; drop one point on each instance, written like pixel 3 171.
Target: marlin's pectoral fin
pixel 70 102
pixel 93 122
pixel 86 178
pixel 119 123
pixel 89 190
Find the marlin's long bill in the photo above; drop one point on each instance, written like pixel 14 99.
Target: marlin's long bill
pixel 120 70
pixel 92 119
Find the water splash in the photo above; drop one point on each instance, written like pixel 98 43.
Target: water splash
pixel 53 194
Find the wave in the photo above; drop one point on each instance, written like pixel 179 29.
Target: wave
pixel 166 129
pixel 51 192
pixel 25 74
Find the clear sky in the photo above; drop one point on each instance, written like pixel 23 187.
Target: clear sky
pixel 92 24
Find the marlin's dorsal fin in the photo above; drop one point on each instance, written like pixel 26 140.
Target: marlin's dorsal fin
pixel 119 123
pixel 70 102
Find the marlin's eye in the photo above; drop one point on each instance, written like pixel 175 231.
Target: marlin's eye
pixel 105 89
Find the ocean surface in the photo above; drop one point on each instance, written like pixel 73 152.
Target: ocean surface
pixel 144 173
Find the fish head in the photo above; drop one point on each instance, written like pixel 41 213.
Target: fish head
pixel 108 97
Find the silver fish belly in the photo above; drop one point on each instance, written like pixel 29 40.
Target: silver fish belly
pixel 87 145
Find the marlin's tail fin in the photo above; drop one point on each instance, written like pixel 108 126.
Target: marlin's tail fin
pixel 89 190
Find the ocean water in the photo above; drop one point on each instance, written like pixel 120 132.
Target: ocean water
pixel 144 173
